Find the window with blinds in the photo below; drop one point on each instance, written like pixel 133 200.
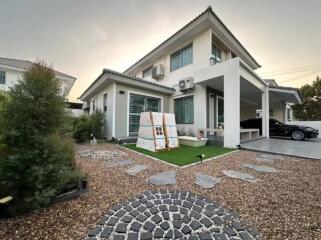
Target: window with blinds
pixel 216 54
pixel 139 104
pixel 182 57
pixel 184 110
pixel 2 77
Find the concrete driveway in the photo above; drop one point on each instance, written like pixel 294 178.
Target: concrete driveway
pixel 306 149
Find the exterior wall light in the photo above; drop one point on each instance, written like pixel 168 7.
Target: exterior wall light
pixel 212 61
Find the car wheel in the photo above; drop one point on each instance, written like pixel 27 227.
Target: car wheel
pixel 298 135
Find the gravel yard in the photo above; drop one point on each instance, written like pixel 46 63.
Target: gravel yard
pixel 282 205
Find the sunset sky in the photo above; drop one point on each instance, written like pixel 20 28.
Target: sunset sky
pixel 81 38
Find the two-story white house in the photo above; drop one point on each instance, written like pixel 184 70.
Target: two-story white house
pixel 202 73
pixel 12 69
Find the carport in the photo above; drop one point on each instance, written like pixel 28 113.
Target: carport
pixel 305 149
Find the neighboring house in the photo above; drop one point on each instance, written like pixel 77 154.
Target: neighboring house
pixel 12 69
pixel 202 73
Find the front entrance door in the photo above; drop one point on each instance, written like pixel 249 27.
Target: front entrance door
pixel 137 105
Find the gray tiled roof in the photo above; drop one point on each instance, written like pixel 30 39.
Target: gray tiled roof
pixel 211 12
pixel 25 64
pixel 137 79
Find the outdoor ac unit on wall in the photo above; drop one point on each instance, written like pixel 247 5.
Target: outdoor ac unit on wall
pixel 158 71
pixel 186 84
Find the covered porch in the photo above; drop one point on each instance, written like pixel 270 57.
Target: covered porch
pixel 233 93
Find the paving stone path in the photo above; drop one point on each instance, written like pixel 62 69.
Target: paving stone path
pixel 238 175
pixel 206 181
pixel 260 168
pixel 119 163
pixel 163 178
pixel 271 156
pixel 264 160
pixel 136 169
pixel 171 214
pixel 101 154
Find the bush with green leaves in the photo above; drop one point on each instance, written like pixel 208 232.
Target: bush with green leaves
pixel 86 124
pixel 39 159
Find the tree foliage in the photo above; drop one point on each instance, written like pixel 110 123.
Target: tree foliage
pixel 310 109
pixel 39 159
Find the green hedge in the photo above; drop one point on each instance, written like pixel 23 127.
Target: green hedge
pixel 84 125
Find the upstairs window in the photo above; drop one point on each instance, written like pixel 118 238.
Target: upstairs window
pixel 216 54
pixel 148 71
pixel 2 77
pixel 182 57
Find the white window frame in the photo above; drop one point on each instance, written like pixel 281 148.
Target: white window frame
pixel 179 49
pixel 142 94
pixel 149 70
pixel 185 96
pixel 5 77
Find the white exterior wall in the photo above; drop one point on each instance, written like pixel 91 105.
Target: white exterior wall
pixel 202 47
pixel 99 102
pixel 201 57
pixel 11 79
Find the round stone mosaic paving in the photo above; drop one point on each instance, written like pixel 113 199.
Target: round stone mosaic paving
pixel 171 214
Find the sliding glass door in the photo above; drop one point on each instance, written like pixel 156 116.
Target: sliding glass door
pixel 138 104
pixel 220 111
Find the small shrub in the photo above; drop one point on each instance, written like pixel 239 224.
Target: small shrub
pixel 85 125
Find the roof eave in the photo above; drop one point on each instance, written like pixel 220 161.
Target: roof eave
pixel 207 13
pixel 127 80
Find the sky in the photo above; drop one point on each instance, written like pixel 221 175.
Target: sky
pixel 81 37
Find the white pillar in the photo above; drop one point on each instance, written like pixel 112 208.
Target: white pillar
pixel 232 107
pixel 265 113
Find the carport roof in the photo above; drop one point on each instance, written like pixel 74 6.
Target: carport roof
pixel 287 94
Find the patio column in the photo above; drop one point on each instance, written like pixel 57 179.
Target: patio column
pixel 265 113
pixel 232 107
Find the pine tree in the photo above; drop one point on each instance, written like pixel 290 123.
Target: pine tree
pixel 39 160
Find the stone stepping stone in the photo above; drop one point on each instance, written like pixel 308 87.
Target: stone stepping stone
pixel 136 169
pixel 106 155
pixel 260 168
pixel 119 163
pixel 164 178
pixel 271 156
pixel 264 160
pixel 238 175
pixel 206 181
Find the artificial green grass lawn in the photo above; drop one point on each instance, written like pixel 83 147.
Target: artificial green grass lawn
pixel 185 155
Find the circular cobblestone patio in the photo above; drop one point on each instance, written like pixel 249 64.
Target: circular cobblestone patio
pixel 171 214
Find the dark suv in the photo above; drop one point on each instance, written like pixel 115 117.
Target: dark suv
pixel 279 129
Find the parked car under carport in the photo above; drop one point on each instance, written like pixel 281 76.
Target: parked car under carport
pixel 279 129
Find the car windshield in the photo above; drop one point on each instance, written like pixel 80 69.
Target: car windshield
pixel 276 122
